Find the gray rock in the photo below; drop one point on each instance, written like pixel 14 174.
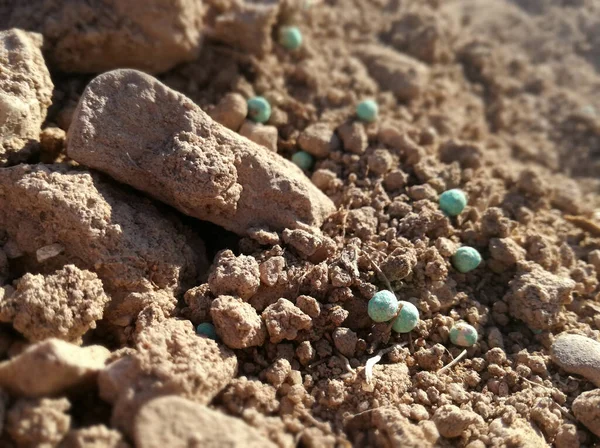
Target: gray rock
pixel 140 132
pixel 25 94
pixel 579 355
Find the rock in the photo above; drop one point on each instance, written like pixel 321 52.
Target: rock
pixel 586 408
pixel 354 137
pixel 260 134
pixel 25 94
pixel 239 276
pixel 395 430
pixel 160 142
pixel 451 421
pixel 246 26
pixel 319 140
pixel 520 432
pixel 64 305
pixel 312 246
pixel 380 161
pixel 175 422
pixel 536 296
pixel 231 111
pixel 345 341
pixel 284 320
pixel 578 354
pixel 506 250
pixel 96 36
pixel 237 323
pixel 97 436
pixel 65 366
pixel 123 238
pixel 39 423
pixel 169 358
pixel 198 301
pixel 403 75
pixel 323 178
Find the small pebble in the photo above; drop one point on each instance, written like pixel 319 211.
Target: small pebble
pixel 579 355
pixel 383 306
pixel 259 109
pixel 407 319
pixel 207 329
pixel 466 259
pixel 367 110
pixel 463 334
pixel 453 202
pixel 303 159
pixel 290 37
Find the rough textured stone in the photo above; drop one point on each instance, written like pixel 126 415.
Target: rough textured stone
pixel 231 111
pixel 64 305
pixel 99 35
pixel 578 354
pixel 245 25
pixel 260 134
pixel 25 94
pixel 39 423
pixel 319 140
pixel 64 366
pixel 140 132
pixel 237 323
pixel 405 76
pixel 123 238
pixel 97 436
pixel 536 296
pixel 169 358
pixel 175 422
pixel 586 408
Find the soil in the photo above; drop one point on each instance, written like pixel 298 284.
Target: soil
pixel 137 201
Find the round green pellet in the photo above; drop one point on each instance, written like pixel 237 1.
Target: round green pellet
pixel 303 159
pixel 466 259
pixel 367 110
pixel 463 335
pixel 259 109
pixel 290 37
pixel 453 202
pixel 383 306
pixel 408 318
pixel 207 329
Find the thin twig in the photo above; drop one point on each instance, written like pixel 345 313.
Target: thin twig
pixel 455 361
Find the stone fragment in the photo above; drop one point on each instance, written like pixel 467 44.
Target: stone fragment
pixel 64 366
pixel 586 408
pixel 175 422
pixel 537 296
pixel 25 94
pixel 38 423
pixel 132 246
pixel 140 132
pixel 403 75
pixel 231 111
pixel 319 140
pixel 237 323
pixel 64 305
pixel 264 135
pixel 579 355
pixel 97 35
pixel 169 358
